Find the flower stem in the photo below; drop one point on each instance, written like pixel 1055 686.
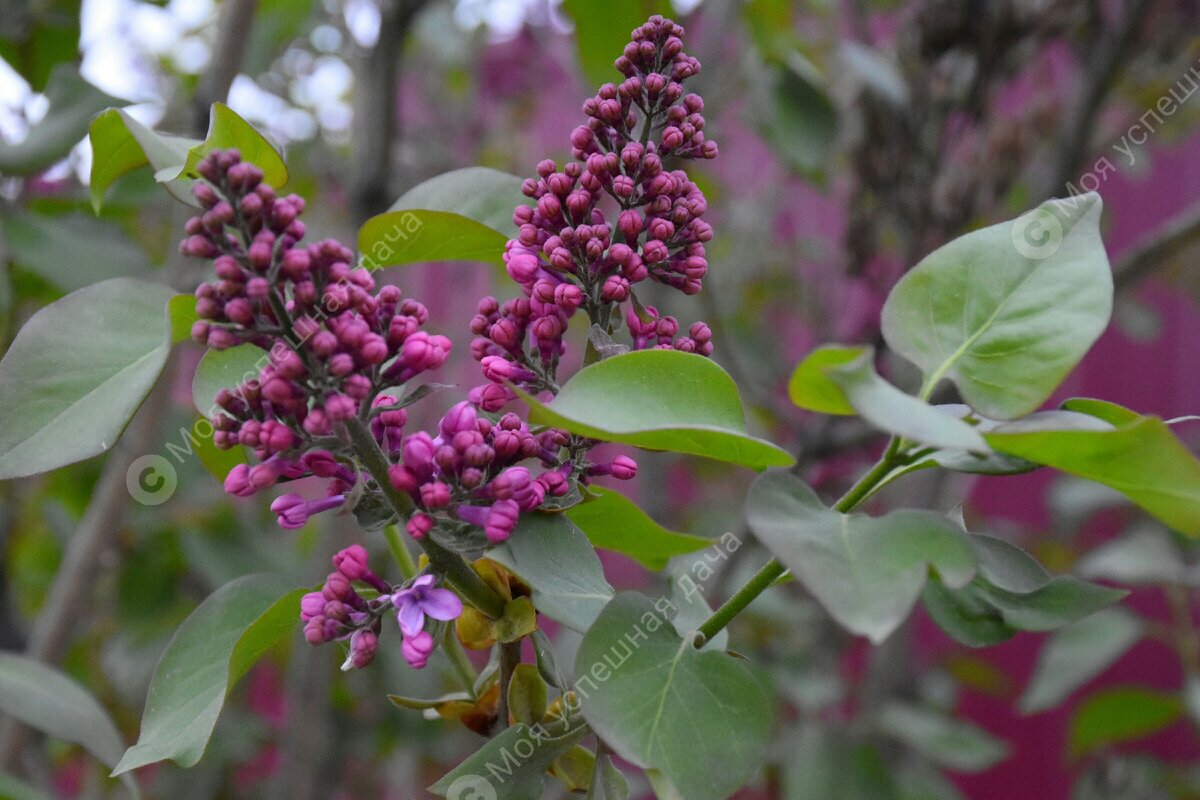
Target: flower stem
pixel 773 569
pixel 510 657
pixel 458 659
pixel 445 562
pixel 404 559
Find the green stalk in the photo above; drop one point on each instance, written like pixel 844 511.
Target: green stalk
pixel 773 569
pixel 458 659
pixel 404 559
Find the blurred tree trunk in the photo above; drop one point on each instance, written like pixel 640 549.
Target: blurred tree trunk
pixel 376 110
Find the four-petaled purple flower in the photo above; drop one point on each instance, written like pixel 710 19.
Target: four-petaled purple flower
pixel 423 599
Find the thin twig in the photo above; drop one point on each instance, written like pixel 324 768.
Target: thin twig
pixel 1159 249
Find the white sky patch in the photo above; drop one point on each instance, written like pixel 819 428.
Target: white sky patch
pixel 363 21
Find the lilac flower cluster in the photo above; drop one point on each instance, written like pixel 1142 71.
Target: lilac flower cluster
pixel 340 613
pixel 568 256
pixel 331 341
pixel 469 471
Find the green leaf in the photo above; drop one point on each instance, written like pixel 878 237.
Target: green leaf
pixel 213 648
pixel 1077 653
pixel 527 694
pixel 948 742
pixel 614 522
pixel 77 372
pixel 72 101
pixel 225 369
pixel 464 215
pixel 181 311
pixel 1142 459
pixel 608 782
pixel 227 130
pixel 799 120
pixel 73 250
pixel 602 31
pixel 699 717
pixel 1121 714
pixel 811 386
pixel 554 558
pixel 866 571
pixel 843 377
pixel 1011 592
pixel 120 144
pixel 659 400
pixel 1007 311
pixel 511 766
pixel 49 701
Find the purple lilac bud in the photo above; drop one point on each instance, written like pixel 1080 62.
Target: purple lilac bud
pixel 417 649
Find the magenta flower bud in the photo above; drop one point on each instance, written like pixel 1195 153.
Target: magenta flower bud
pixel 629 222
pixel 546 329
pixel 257 288
pixel 555 483
pixel 700 332
pixel 259 256
pixel 417 452
pixel 321 463
pixel 666 327
pixel 373 349
pixel 237 482
pixel 417 649
pixel 222 339
pixel 661 228
pixel 312 605
pixel 341 364
pixel 568 296
pixel 505 334
pixel 615 289
pixel 403 478
pixel 623 468
pixel 317 423
pixel 654 252
pixel 579 203
pixel 352 562
pixel 460 417
pixel 337 587
pixel 363 644
pixel 497 369
pixel 491 397
pixel 340 407
pixel 672 137
pixel 314 631
pixel 435 495
pixel 501 520
pixel 419 526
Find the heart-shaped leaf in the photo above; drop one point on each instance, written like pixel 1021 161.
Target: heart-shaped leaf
pixel 838 377
pixel 614 522
pixel 699 717
pixel 45 699
pixel 659 400
pixel 1012 592
pixel 866 571
pixel 76 373
pixel 1007 311
pixel 213 648
pixel 554 558
pixel 120 144
pixel 1141 458
pixel 1077 653
pixel 512 766
pixel 464 215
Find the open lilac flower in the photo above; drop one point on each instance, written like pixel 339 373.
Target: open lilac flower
pixel 423 599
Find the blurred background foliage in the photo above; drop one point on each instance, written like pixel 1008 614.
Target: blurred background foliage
pixel 856 136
